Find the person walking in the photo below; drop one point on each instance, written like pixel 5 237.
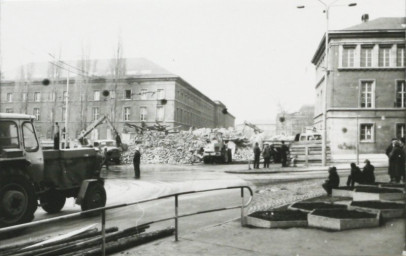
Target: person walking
pixel 397 159
pixel 368 176
pixel 105 159
pixel 257 154
pixel 266 154
pixel 403 174
pixel 332 181
pixel 284 154
pixel 56 137
pixel 391 164
pixel 355 176
pixel 136 163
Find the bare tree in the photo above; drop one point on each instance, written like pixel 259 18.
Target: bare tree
pixel 84 66
pixel 54 74
pixel 118 70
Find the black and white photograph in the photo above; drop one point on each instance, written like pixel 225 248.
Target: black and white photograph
pixel 203 127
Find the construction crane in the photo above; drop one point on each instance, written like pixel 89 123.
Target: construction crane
pixel 254 127
pixel 96 123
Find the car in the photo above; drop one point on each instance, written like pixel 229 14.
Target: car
pixel 113 152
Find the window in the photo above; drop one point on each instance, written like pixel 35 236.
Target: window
pixel 348 56
pixel 51 96
pixel 160 113
pixel 143 113
pixel 9 110
pixel 161 94
pixel 127 95
pixel 367 94
pixel 8 135
pixel 9 97
pixel 24 96
pixel 143 94
pixel 400 56
pixel 95 113
pixel 384 56
pixel 30 140
pixel 126 113
pixel 36 114
pixel 400 130
pixel 96 95
pixel 367 133
pixel 112 94
pixel 366 56
pixel 37 96
pixel 400 94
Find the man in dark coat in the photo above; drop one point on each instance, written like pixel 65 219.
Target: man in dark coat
pixel 136 163
pixel 397 160
pixel 368 176
pixel 332 181
pixel 56 136
pixel 284 154
pixel 355 176
pixel 391 165
pixel 266 154
pixel 257 154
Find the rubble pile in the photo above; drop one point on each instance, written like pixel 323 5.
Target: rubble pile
pixel 180 148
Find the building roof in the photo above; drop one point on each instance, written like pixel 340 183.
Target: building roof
pixel 379 26
pixel 385 23
pixel 97 67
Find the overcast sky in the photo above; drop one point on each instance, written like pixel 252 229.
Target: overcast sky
pixel 250 54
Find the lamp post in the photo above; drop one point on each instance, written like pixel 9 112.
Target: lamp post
pixel 326 61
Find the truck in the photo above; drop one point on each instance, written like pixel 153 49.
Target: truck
pixel 29 174
pixel 216 150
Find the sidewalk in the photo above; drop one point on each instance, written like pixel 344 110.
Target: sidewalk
pixel 232 239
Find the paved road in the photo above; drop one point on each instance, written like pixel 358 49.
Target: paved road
pixel 158 180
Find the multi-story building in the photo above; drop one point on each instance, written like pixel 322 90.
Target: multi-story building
pixel 293 123
pixel 365 95
pixel 134 91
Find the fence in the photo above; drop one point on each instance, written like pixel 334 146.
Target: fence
pixel 175 218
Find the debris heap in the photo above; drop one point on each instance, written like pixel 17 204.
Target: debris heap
pixel 180 148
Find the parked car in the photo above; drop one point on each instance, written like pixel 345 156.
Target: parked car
pixel 113 152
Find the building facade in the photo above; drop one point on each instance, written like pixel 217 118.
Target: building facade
pixel 290 124
pixel 365 93
pixel 142 93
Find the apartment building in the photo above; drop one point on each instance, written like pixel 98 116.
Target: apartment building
pixel 365 93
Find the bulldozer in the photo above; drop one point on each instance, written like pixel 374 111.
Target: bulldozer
pixel 29 174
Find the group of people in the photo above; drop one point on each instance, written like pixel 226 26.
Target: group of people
pixel 269 152
pixel 366 176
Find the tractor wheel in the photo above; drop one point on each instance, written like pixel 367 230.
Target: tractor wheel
pixel 52 201
pixel 18 200
pixel 95 197
pixel 207 160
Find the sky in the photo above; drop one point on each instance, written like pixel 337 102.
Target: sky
pixel 253 55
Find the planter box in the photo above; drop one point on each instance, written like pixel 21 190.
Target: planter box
pixel 338 219
pixel 391 185
pixel 342 192
pixel 310 206
pixel 277 219
pixel 387 209
pixel 377 194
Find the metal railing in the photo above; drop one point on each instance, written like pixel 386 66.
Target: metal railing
pixel 175 218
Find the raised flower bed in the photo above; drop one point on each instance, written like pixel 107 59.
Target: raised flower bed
pixel 277 219
pixel 343 191
pixel 376 194
pixel 391 185
pixel 387 209
pixel 310 206
pixel 341 219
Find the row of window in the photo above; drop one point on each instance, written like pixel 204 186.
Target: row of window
pixel 128 95
pixel 190 118
pixel 367 94
pixel 368 52
pixel 367 132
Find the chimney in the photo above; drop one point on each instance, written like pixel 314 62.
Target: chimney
pixel 365 17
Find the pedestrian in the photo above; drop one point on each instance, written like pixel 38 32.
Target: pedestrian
pixel 332 181
pixel 355 176
pixel 105 159
pixel 284 154
pixel 56 136
pixel 136 163
pixel 403 174
pixel 257 154
pixel 118 140
pixel 266 154
pixel 368 176
pixel 397 159
pixel 391 164
pixel 274 154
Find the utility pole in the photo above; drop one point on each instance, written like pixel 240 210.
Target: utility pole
pixel 66 110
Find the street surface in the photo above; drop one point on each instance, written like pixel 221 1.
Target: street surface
pixel 159 180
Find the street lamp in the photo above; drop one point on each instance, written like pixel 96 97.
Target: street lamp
pixel 324 128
